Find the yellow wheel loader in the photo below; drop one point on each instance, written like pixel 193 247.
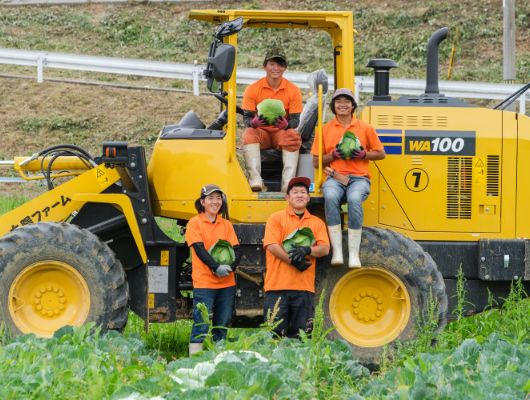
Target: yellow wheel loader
pixel 450 195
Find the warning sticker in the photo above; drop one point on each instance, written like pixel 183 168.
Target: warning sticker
pixel 479 171
pixel 101 177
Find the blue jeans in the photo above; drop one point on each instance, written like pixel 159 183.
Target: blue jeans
pixel 220 305
pixel 354 193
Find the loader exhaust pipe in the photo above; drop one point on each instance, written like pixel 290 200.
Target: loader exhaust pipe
pixel 432 60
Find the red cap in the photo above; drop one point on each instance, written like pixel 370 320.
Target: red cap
pixel 299 180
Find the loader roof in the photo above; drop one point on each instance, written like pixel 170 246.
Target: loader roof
pixel 322 20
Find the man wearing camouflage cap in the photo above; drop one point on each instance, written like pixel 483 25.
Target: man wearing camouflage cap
pixel 281 135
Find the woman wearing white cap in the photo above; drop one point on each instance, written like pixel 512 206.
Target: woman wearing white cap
pixel 348 176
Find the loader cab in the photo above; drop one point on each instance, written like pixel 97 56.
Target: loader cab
pixel 207 153
pixel 339 25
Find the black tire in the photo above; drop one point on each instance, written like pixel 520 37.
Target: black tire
pixel 79 249
pixel 411 264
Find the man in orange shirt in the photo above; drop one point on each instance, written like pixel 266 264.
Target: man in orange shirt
pixel 282 134
pixel 349 179
pixel 290 277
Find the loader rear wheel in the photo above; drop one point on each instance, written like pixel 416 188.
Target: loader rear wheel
pixel 385 301
pixel 52 275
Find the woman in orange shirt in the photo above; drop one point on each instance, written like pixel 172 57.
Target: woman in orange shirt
pixel 349 177
pixel 214 284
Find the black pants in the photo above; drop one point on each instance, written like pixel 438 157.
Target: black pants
pixel 295 309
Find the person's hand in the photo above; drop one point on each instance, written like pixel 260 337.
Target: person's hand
pixel 301 265
pixel 337 153
pixel 298 253
pixel 281 123
pixel 358 154
pixel 223 270
pixel 257 122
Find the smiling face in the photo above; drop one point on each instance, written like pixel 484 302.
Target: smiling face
pixel 274 70
pixel 298 198
pixel 343 106
pixel 212 204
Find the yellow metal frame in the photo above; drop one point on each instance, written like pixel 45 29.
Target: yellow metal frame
pixel 31 170
pixel 61 202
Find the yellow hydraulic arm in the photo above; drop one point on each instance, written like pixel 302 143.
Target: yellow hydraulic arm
pixel 61 203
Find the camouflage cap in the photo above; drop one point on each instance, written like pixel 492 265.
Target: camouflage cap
pixel 277 53
pixel 209 189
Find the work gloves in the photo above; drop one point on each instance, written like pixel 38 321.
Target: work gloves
pixel 281 123
pixel 358 154
pixel 223 270
pixel 355 155
pixel 337 153
pixel 298 258
pixel 257 122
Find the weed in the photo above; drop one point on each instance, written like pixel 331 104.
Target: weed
pixel 170 340
pixel 57 123
pixel 7 203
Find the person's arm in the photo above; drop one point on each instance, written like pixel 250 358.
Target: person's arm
pixel 294 121
pixel 326 160
pixel 278 251
pixel 204 256
pixel 375 155
pixel 319 250
pixel 247 117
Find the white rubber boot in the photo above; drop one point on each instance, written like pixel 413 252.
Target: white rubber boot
pixel 195 348
pixel 354 243
pixel 253 163
pixel 290 163
pixel 335 237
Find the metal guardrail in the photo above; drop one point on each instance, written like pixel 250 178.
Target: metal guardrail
pixel 6 179
pixel 157 69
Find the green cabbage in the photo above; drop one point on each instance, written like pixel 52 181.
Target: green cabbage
pixel 299 237
pixel 270 109
pixel 223 252
pixel 349 143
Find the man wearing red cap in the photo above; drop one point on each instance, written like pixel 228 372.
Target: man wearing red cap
pixel 348 177
pixel 281 135
pixel 290 276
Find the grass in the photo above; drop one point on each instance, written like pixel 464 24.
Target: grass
pixel 168 340
pixel 163 32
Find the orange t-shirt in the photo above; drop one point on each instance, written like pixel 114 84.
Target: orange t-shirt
pixel 332 134
pixel 280 275
pixel 260 90
pixel 201 229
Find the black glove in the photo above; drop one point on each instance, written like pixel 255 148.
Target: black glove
pixel 301 265
pixel 298 253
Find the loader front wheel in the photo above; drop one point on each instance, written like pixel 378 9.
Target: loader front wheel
pixel 52 275
pixel 398 291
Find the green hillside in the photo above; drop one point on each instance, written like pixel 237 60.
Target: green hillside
pixel 34 115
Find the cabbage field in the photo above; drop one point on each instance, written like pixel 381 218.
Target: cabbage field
pixel 482 357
